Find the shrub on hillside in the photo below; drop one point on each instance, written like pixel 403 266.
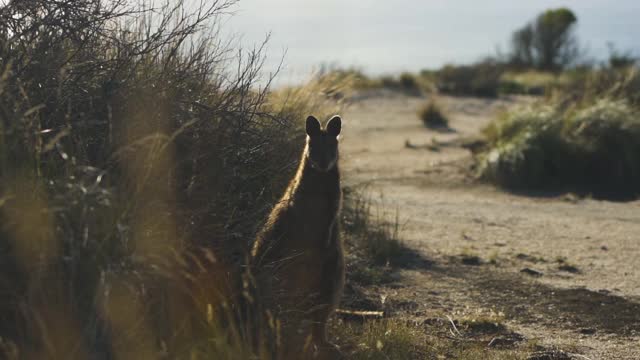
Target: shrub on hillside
pixel 620 59
pixel 480 79
pixel 407 83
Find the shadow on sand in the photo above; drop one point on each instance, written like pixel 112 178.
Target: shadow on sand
pixel 529 300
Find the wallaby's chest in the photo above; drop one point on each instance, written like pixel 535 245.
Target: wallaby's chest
pixel 316 214
pixel 306 225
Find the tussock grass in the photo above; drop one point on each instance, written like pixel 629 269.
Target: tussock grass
pixel 582 87
pixel 591 148
pixel 356 77
pixel 369 231
pixel 585 137
pixel 322 96
pixel 432 115
pixel 530 82
pixel 396 338
pixel 483 322
pixel 382 339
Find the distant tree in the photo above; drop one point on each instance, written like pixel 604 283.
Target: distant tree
pixel 522 44
pixel 547 43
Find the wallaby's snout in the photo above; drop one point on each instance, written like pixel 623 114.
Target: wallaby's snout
pixel 323 143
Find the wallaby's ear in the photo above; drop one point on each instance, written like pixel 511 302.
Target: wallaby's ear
pixel 334 125
pixel 313 126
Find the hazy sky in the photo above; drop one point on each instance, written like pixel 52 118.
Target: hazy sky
pixel 387 36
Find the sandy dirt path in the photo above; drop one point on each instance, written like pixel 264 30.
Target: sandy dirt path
pixel 478 239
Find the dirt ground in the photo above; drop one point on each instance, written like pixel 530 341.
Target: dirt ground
pixel 562 269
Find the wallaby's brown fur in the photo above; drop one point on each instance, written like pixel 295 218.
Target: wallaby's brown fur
pixel 298 258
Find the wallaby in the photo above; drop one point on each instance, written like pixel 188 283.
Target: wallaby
pixel 297 257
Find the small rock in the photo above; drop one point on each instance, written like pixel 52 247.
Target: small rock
pixel 604 248
pixel 530 258
pixel 587 331
pixel 471 260
pixel 569 268
pixel 532 272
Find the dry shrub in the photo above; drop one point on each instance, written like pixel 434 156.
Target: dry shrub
pixel 432 115
pixel 479 79
pixel 137 158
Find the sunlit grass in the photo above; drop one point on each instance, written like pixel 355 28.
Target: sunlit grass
pixel 585 141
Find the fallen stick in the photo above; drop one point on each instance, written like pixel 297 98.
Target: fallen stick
pixel 355 315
